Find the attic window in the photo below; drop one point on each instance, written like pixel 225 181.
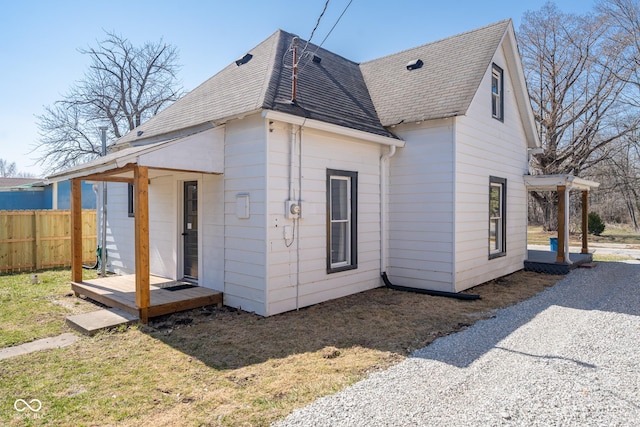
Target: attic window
pixel 415 64
pixel 244 59
pixel 316 59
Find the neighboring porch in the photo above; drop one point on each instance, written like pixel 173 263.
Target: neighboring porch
pixel 546 262
pixel 165 295
pixel 561 261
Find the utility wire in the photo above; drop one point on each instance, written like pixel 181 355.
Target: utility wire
pixel 328 34
pixel 326 4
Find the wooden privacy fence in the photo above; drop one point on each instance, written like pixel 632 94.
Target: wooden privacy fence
pixel 32 240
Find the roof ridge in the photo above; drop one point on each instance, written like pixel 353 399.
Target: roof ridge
pixel 495 24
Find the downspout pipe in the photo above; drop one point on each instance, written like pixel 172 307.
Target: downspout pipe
pixel 467 297
pixel 383 240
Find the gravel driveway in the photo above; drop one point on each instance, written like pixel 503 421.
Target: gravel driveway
pixel 568 356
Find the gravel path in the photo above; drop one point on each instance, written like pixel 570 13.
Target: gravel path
pixel 568 356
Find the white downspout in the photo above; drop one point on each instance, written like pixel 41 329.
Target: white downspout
pixel 383 207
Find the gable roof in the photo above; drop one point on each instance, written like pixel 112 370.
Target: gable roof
pixel 443 87
pixel 368 97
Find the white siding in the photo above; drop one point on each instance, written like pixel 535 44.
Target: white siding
pixel 421 207
pixel 488 147
pixel 165 228
pixel 212 230
pixel 301 268
pixel 245 263
pixel 120 230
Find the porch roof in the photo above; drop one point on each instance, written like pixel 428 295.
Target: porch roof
pixel 202 151
pixel 551 182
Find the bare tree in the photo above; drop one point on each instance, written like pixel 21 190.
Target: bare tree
pixel 623 169
pixel 7 170
pixel 123 87
pixel 577 79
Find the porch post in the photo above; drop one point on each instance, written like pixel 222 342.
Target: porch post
pixel 141 212
pixel 76 230
pixel 561 255
pixel 585 222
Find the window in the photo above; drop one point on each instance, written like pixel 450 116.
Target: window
pixel 497 217
pixel 342 206
pixel 497 99
pixel 130 200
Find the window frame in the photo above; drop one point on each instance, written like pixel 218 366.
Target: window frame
pixel 130 203
pixel 351 261
pixel 497 98
pixel 501 231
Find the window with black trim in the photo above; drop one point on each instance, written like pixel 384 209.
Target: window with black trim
pixel 497 217
pixel 130 210
pixel 497 98
pixel 342 214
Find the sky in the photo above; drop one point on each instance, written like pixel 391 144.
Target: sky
pixel 40 40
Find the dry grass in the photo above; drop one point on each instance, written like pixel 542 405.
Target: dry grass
pixel 226 367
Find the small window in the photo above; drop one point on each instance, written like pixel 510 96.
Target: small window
pixel 130 210
pixel 342 205
pixel 497 98
pixel 497 217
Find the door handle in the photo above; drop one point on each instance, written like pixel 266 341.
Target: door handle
pixel 185 233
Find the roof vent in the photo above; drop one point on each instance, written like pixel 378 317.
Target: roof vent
pixel 316 59
pixel 244 59
pixel 139 133
pixel 415 64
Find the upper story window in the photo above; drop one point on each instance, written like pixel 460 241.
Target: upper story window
pixel 342 206
pixel 497 98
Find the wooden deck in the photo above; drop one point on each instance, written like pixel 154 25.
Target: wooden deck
pixel 119 292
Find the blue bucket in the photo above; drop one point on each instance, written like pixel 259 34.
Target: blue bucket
pixel 553 241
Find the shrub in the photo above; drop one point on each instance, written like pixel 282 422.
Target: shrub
pixel 595 224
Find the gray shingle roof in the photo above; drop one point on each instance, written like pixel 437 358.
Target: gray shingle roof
pixel 18 182
pixel 443 87
pixel 368 97
pixel 332 91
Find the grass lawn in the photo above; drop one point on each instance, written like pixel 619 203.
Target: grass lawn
pixel 219 366
pixel 29 311
pixel 622 235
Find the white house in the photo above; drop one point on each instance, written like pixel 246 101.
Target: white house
pixel 284 186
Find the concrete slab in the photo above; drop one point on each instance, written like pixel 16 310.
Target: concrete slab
pixel 96 321
pixel 62 340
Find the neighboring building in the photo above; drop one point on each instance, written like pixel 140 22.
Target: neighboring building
pixel 36 193
pixel 283 194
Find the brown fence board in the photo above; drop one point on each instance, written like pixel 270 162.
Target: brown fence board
pixel 31 240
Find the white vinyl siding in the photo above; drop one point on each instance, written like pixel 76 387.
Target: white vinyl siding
pixel 486 147
pixel 298 273
pixel 245 172
pixel 120 230
pixel 421 207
